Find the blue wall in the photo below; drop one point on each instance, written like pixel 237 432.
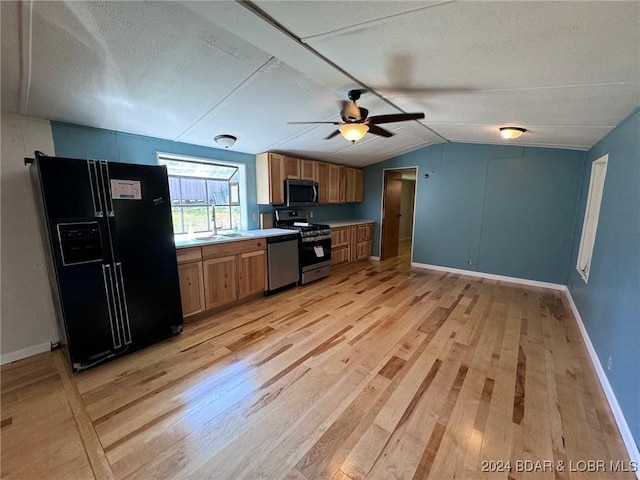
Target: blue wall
pixel 77 141
pixel 609 303
pixel 84 142
pixel 507 210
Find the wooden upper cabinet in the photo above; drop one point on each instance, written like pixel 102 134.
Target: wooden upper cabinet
pixel 270 175
pixel 359 185
pixel 350 185
pixel 354 185
pixel 308 170
pixel 336 185
pixel 291 167
pixel 322 177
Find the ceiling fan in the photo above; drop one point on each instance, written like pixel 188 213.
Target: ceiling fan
pixel 356 121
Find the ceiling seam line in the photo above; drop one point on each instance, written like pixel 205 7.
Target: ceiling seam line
pixel 376 21
pixel 554 125
pixel 240 85
pixel 554 87
pixel 253 8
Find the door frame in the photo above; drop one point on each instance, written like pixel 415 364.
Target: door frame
pixel 415 197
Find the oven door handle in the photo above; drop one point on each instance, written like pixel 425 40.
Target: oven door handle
pixel 316 239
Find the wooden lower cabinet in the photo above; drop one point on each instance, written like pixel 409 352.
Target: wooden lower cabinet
pixel 363 249
pixel 191 288
pixel 340 255
pixel 226 273
pixel 339 236
pixel 340 246
pixel 220 281
pixel 351 243
pixel 252 277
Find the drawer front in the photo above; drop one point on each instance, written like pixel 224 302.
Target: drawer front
pixel 365 232
pixel 192 254
pixel 233 248
pixel 340 255
pixel 339 236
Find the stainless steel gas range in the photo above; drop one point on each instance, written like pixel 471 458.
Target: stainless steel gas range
pixel 314 244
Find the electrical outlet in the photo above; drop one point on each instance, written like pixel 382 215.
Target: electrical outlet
pixel 255 217
pixel 609 363
pixel 310 213
pixel 469 262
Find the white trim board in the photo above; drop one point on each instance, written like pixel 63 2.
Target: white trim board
pixel 24 353
pixel 623 426
pixel 618 415
pixel 491 276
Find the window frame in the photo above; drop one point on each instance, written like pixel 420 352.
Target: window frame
pixel 591 216
pixel 240 181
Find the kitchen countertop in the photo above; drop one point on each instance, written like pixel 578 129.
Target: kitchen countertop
pixel 241 235
pixel 345 223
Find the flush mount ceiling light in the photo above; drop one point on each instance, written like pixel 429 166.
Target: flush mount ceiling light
pixel 225 141
pixel 511 132
pixel 353 131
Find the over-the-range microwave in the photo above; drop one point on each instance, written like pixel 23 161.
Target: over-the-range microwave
pixel 300 192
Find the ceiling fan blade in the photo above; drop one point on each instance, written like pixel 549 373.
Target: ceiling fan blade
pixel 333 134
pixel 376 130
pixel 395 117
pixel 313 123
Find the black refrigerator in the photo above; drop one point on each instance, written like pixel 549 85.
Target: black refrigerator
pixel 108 238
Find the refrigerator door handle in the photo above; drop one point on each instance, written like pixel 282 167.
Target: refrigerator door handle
pixel 117 344
pixel 122 300
pixel 106 187
pixel 95 188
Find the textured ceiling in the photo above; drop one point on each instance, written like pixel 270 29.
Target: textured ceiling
pixel 568 72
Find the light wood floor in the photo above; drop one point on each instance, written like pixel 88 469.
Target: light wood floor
pixel 379 371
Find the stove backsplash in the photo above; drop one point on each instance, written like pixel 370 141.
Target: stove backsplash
pixel 320 212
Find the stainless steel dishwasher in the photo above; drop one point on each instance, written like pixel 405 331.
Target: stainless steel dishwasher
pixel 282 262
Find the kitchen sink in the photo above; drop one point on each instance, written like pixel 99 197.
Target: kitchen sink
pixel 234 235
pixel 209 237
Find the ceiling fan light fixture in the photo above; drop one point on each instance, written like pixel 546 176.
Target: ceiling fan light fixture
pixel 511 132
pixel 225 141
pixel 353 131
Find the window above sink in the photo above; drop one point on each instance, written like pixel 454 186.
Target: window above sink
pixel 202 190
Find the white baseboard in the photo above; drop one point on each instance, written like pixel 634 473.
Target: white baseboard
pixel 375 259
pixel 491 276
pixel 24 353
pixel 623 426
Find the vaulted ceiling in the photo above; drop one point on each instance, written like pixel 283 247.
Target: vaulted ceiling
pixel 568 72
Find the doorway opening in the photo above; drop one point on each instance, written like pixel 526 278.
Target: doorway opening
pixel 398 211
